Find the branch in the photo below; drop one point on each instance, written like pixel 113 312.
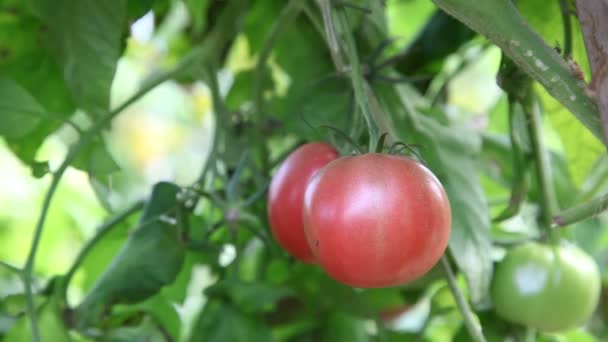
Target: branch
pixel 84 140
pixel 356 76
pixel 11 268
pixel 581 212
pixel 592 15
pixel 463 306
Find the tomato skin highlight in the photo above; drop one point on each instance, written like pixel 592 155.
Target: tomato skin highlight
pixel 550 288
pixel 376 220
pixel 286 196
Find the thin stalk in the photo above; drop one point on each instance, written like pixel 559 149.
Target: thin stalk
pixel 542 165
pixel 105 228
pixel 220 126
pixel 11 268
pixel 580 212
pixel 357 79
pixel 86 138
pixel 473 328
pixel 330 31
pixel 563 4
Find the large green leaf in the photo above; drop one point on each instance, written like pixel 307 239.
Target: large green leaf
pixel 85 37
pixel 23 61
pixel 219 322
pixel 151 258
pixel 454 159
pixel 451 153
pixel 20 113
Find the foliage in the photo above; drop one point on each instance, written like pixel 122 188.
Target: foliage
pixel 183 110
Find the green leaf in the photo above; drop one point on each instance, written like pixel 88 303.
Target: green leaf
pixel 441 35
pixel 85 37
pixel 342 327
pixel 451 153
pixel 243 90
pixel 470 240
pixel 315 94
pixel 257 24
pixel 20 113
pixel 15 304
pixel 323 103
pixel 161 309
pixel 386 298
pixel 198 12
pixel 147 331
pixel 100 256
pixel 23 61
pixel 96 160
pixel 50 325
pixel 150 259
pixel 249 297
pixel 219 322
pixel 137 8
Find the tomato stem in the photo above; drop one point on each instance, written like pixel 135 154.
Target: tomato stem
pixel 581 212
pixel 463 306
pixel 522 98
pixel 354 71
pixel 11 268
pixel 548 202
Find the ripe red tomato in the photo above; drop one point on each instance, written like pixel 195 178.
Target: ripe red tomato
pixel 376 220
pixel 286 196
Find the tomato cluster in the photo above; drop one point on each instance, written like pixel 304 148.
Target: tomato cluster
pixel 371 220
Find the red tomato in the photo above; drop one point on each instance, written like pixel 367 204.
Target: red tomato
pixel 286 196
pixel 376 220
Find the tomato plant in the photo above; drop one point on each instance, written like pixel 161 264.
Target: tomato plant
pixel 548 287
pixel 160 178
pixel 376 220
pixel 286 196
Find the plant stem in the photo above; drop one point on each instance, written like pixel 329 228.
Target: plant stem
pixel 563 4
pixel 330 31
pixel 105 228
pixel 11 268
pixel 542 165
pixel 86 138
pixel 356 75
pixel 469 321
pixel 580 212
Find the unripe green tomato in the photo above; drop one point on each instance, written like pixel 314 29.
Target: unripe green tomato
pixel 550 288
